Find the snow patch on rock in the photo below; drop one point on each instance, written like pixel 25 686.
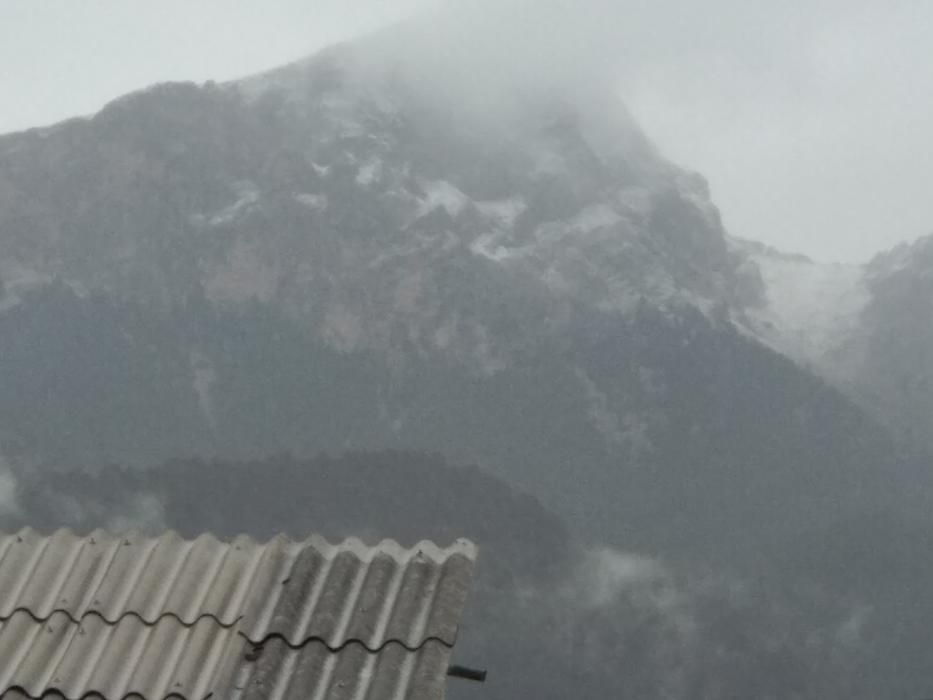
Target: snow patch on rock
pixel 246 197
pixel 440 193
pixel 810 309
pixel 594 217
pixel 369 172
pixel 488 245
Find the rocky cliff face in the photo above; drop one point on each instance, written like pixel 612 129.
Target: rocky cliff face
pixel 892 354
pixel 364 210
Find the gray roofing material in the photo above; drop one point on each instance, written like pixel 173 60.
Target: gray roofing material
pixel 165 617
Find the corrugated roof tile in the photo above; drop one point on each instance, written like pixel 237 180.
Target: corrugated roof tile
pixel 159 617
pixel 313 672
pixel 116 660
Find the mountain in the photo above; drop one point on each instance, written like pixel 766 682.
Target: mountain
pixel 348 255
pixel 329 257
pixel 183 192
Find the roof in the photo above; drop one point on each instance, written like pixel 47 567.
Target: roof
pixel 132 616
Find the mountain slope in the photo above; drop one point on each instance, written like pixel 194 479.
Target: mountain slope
pixel 893 354
pixel 326 257
pixel 861 327
pixel 343 187
pixel 810 311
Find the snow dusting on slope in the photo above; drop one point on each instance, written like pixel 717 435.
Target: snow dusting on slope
pixel 369 172
pixel 503 211
pixel 594 217
pixel 811 308
pixel 247 196
pixel 488 245
pixel 440 193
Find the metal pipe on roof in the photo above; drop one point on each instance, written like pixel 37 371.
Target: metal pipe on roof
pixel 470 674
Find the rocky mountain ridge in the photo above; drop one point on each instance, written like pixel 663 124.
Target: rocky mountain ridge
pixel 402 197
pixel 395 199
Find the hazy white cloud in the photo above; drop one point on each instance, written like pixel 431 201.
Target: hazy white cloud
pixel 810 119
pixel 60 58
pixel 9 503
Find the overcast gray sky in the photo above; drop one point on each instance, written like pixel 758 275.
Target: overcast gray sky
pixel 813 120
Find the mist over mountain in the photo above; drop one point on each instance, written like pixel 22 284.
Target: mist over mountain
pixel 549 617
pixel 368 250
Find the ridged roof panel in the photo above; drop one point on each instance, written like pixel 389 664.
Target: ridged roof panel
pixel 314 672
pixel 338 596
pixel 158 617
pixel 60 658
pixel 116 660
pixel 119 575
pixel 297 590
